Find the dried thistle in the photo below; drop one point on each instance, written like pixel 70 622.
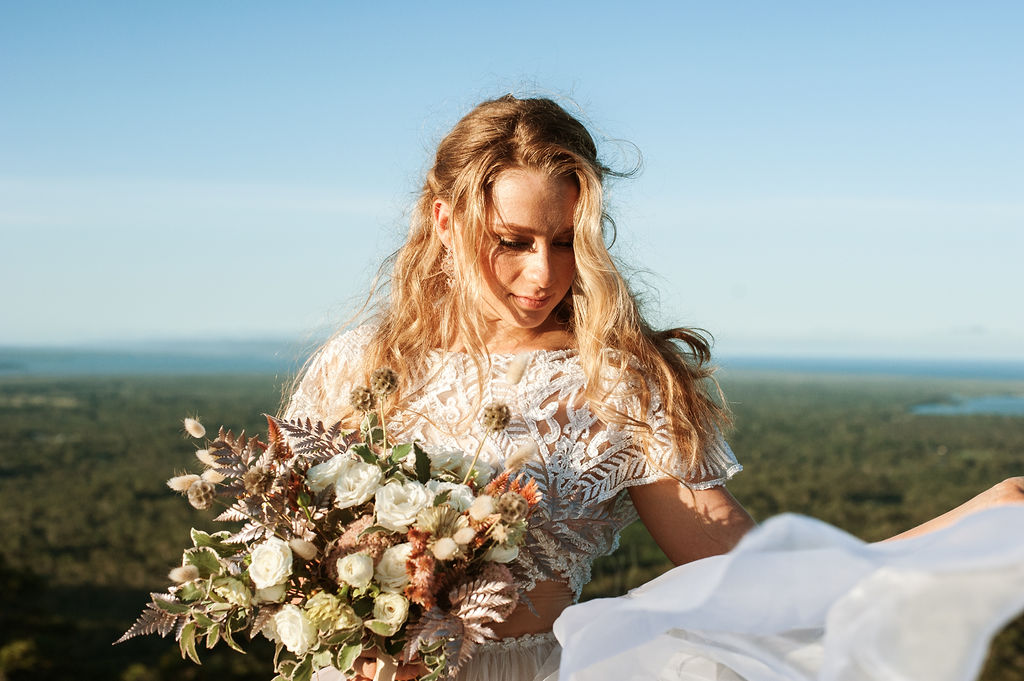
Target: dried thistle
pixel 361 399
pixel 258 481
pixel 383 381
pixel 200 494
pixel 512 507
pixel 496 418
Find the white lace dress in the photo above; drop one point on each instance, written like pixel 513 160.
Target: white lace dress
pixel 797 599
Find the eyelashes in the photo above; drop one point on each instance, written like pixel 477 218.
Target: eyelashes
pixel 513 245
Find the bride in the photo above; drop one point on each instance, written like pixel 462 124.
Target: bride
pixel 505 291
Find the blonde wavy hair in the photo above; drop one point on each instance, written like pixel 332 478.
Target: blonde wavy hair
pixel 420 308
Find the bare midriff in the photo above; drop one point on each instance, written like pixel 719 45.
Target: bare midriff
pixel 549 600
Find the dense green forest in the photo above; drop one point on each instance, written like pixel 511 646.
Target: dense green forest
pixel 89 528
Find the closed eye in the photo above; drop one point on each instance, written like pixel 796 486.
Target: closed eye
pixel 513 245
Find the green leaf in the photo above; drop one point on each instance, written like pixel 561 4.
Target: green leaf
pixel 393 646
pixel 304 672
pixel 202 620
pixel 213 635
pixel 364 452
pixel 442 497
pixel 422 464
pixel 381 627
pixel 191 592
pixel 229 638
pixel 399 452
pixel 346 657
pixel 215 541
pixel 205 559
pixel 187 642
pixel 322 659
pixel 172 607
pixel 374 528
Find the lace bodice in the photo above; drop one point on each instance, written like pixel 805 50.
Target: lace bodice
pixel 583 466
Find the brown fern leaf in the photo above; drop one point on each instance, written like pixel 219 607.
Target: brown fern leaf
pixel 155 620
pixel 263 615
pixel 313 441
pixel 434 625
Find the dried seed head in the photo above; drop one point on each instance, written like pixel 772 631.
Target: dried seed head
pixel 512 507
pixel 207 458
pixel 185 573
pixel 481 507
pixel 304 549
pixel 526 451
pixel 464 535
pixel 383 381
pixel 444 548
pixel 181 483
pixel 258 481
pixel 200 494
pixel 517 367
pixel 194 428
pixel 361 399
pixel 496 418
pixel 213 476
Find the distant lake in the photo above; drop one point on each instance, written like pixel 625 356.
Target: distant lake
pixel 1009 405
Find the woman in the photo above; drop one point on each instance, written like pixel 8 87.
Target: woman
pixel 505 291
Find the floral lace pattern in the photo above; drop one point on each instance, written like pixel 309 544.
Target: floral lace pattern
pixel 583 468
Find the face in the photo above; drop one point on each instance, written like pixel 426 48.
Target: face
pixel 528 264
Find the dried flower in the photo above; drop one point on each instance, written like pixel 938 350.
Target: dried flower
pixel 181 483
pixel 329 613
pixel 302 548
pixel 526 451
pixel 210 475
pixel 200 494
pixel 482 507
pixel 194 428
pixel 499 532
pixel 233 591
pixel 185 573
pixel 512 507
pixel 383 381
pixel 440 521
pixel 444 548
pixel 516 368
pixel 496 418
pixel 206 458
pixel 258 481
pixel 464 535
pixel 361 399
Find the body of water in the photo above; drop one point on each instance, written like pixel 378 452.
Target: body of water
pixel 1009 405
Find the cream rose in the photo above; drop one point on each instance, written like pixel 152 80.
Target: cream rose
pixel 357 484
pixel 295 631
pixel 398 504
pixel 459 496
pixel 390 571
pixel 356 569
pixel 272 594
pixel 323 475
pixel 456 462
pixel 271 563
pixel 502 554
pixel 233 591
pixel 391 608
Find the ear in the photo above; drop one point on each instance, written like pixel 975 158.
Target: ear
pixel 442 222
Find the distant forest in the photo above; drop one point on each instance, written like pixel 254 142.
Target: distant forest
pixel 89 527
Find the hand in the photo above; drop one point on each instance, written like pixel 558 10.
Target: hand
pixel 365 667
pixel 1009 491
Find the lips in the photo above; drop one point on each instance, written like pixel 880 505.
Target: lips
pixel 531 303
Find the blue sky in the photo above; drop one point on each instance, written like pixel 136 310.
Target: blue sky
pixel 818 179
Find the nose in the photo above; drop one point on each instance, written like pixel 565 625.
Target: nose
pixel 539 268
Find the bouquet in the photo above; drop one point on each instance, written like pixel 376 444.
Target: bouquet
pixel 349 545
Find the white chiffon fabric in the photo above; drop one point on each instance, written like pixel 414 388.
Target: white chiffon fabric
pixel 799 600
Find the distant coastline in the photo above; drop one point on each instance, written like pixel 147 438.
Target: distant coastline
pixel 284 358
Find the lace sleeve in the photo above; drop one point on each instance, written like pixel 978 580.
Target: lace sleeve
pixel 656 457
pixel 327 383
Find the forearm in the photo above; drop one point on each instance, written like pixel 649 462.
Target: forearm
pixel 1009 491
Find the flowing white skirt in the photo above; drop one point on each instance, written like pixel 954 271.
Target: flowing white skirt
pixel 799 600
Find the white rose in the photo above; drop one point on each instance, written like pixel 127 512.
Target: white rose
pixel 390 571
pixel 391 608
pixel 234 592
pixel 357 484
pixel 456 462
pixel 294 629
pixel 272 594
pixel 501 554
pixel 356 569
pixel 323 475
pixel 459 496
pixel 271 563
pixel 398 504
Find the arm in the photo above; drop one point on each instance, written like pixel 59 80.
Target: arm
pixel 1009 491
pixel 690 524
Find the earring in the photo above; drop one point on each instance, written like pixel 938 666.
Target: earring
pixel 448 266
